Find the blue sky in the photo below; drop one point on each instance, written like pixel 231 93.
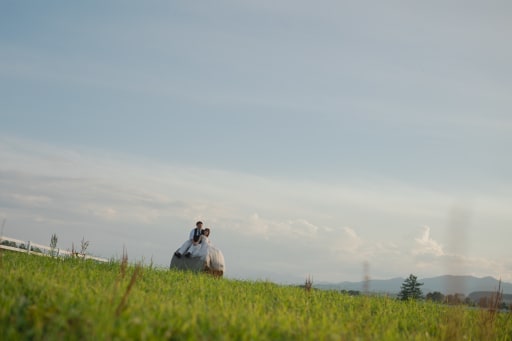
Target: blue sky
pixel 310 137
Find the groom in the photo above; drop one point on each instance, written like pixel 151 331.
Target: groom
pixel 194 238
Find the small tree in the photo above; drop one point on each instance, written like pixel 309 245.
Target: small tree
pixel 84 244
pixel 410 289
pixel 53 244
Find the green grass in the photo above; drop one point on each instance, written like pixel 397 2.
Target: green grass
pixel 52 299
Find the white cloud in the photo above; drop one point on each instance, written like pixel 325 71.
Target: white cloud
pixel 31 200
pixel 115 202
pixel 426 245
pixel 345 243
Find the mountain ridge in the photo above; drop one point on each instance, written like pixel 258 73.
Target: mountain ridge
pixel 446 284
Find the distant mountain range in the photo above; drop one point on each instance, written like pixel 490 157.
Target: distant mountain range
pixel 446 285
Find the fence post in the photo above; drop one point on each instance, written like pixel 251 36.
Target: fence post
pixel 28 246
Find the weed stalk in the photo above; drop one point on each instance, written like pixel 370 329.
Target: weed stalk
pixel 135 275
pixel 308 284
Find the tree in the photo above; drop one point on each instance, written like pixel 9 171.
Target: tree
pixel 435 296
pixel 8 243
pixel 455 299
pixel 410 289
pixel 53 244
pixel 35 249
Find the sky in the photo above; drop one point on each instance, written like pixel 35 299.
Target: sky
pixel 311 137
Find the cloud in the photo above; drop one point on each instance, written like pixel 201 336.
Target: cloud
pixel 426 245
pixel 429 257
pixel 291 229
pixel 283 227
pixel 30 200
pixel 345 243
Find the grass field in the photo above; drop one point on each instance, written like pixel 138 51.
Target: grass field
pixel 43 298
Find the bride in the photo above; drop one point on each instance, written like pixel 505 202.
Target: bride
pixel 205 249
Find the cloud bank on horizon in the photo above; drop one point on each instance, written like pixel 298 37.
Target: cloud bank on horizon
pixel 311 138
pixel 273 229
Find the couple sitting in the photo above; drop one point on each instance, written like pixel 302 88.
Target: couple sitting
pixel 197 244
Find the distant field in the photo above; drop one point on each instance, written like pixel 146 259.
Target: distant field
pixel 43 298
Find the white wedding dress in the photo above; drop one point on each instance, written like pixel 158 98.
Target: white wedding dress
pixel 204 257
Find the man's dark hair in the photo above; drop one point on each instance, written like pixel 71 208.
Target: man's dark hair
pixel 199 222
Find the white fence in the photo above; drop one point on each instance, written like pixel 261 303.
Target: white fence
pixel 30 247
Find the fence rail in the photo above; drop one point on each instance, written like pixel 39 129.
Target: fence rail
pixel 30 247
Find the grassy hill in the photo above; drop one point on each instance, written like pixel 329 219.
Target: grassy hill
pixel 43 298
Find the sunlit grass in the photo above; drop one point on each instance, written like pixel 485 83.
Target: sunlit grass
pixel 47 298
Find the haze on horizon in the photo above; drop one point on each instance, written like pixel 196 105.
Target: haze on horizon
pixel 311 138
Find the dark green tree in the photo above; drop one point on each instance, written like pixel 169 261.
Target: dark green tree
pixel 410 289
pixel 435 296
